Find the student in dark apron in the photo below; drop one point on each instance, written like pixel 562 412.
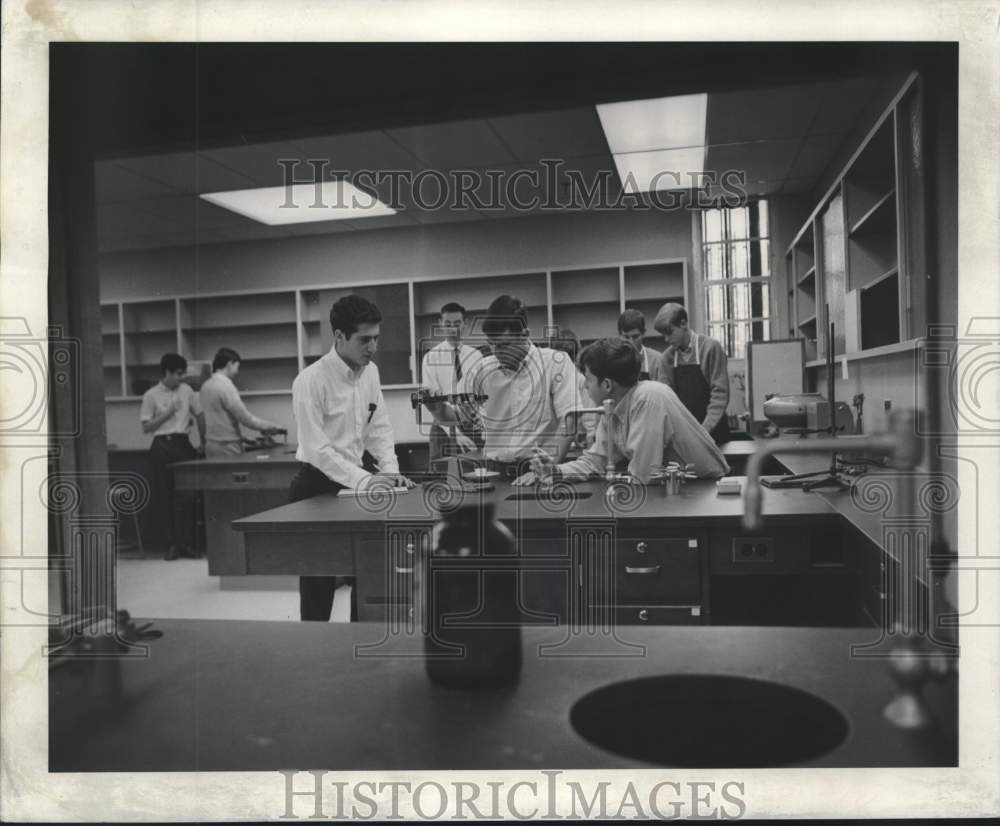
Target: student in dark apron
pixel 688 379
pixel 693 389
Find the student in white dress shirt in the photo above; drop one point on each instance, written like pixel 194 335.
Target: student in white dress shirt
pixel 224 409
pixel 632 327
pixel 166 412
pixel 339 414
pixel 443 371
pixel 530 391
pixel 649 424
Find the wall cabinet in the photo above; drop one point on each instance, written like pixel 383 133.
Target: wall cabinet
pixel 859 260
pixel 278 332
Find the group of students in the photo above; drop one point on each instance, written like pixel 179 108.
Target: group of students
pixel 667 406
pixel 518 406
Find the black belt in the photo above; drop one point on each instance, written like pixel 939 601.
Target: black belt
pixel 171 436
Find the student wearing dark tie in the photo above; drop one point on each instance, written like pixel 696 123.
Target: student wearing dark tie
pixel 695 366
pixel 339 414
pixel 632 327
pixel 443 372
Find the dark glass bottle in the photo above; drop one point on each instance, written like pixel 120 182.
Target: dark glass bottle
pixel 472 635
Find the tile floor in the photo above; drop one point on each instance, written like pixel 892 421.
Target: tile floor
pixel 182 589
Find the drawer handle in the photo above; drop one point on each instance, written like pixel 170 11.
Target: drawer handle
pixel 241 478
pixel 652 569
pixel 402 570
pixel 642 547
pixel 643 615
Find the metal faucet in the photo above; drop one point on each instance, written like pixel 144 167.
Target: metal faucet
pixel 605 409
pixel 900 443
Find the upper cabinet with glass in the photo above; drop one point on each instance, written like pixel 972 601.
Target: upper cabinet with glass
pixel 860 259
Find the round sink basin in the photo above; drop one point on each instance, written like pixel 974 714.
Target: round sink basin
pixel 708 721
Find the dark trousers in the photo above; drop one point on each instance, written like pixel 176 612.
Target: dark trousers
pixel 181 505
pixel 316 592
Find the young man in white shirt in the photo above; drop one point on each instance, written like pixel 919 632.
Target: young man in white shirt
pixel 224 409
pixel 632 327
pixel 696 367
pixel 649 425
pixel 443 371
pixel 339 414
pixel 530 391
pixel 166 412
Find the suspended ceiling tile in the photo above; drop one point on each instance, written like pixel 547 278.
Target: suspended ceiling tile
pixel 814 155
pixel 468 143
pixel 561 134
pixel 447 216
pixel 319 228
pixel 401 219
pixel 124 218
pixel 760 161
pixel 188 172
pixel 798 186
pixel 116 183
pixel 760 114
pixel 353 152
pixel 842 102
pixel 257 162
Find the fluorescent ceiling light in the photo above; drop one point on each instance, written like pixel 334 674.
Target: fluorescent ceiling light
pixel 301 203
pixel 664 170
pixel 657 123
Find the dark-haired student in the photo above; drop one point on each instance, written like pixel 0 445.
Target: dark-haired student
pixel 443 371
pixel 224 409
pixel 530 390
pixel 632 327
pixel 166 412
pixel 649 425
pixel 339 414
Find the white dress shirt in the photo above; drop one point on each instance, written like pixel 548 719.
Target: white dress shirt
pixel 225 411
pixel 650 426
pixel 437 370
pixel 159 398
pixel 339 414
pixel 526 407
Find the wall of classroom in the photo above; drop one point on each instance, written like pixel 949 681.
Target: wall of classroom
pixel 466 248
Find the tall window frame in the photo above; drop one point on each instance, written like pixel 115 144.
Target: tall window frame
pixel 736 256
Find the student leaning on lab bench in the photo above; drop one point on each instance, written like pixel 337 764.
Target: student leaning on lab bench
pixel 649 426
pixel 339 414
pixel 224 409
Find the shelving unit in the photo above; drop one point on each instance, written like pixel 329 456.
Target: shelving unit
pixel 855 261
pixel 803 276
pixel 649 286
pixel 586 302
pixel 277 333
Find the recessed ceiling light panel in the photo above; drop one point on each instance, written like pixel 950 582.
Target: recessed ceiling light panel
pixel 301 203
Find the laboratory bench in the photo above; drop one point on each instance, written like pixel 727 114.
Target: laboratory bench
pixel 237 486
pixel 263 696
pixel 640 557
pixel 258 480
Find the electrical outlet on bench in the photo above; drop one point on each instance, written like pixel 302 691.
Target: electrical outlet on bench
pixel 753 549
